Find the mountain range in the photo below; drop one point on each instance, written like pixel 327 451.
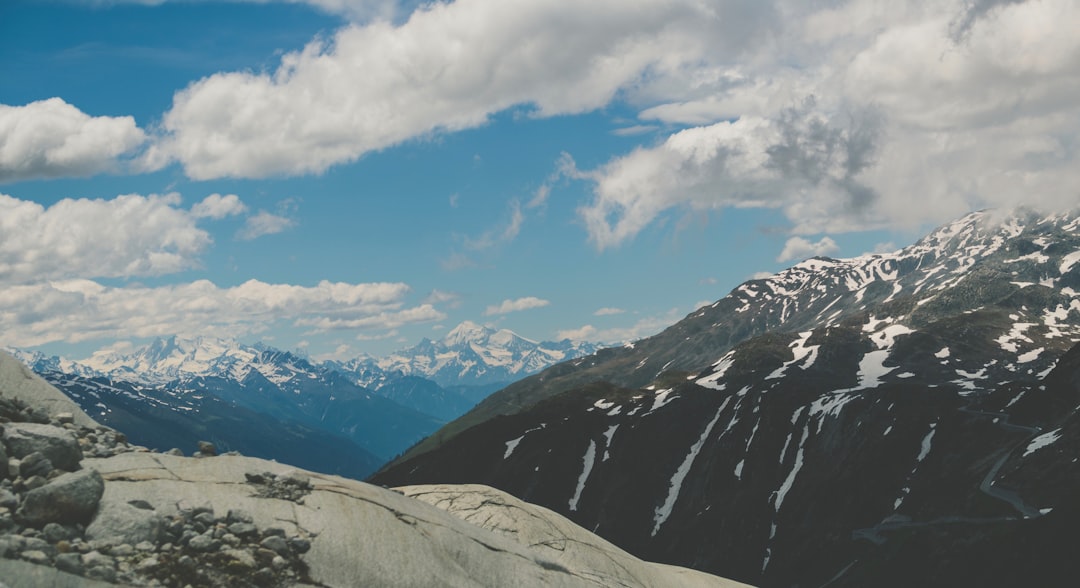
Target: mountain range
pixel 909 418
pixel 338 417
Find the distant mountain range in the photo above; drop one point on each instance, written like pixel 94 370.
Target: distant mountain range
pixel 910 418
pixel 175 391
pixel 469 355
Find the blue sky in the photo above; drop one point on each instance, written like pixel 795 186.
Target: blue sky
pixel 348 176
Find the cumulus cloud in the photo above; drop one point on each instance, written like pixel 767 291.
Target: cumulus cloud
pixel 519 304
pixel 862 115
pixel 126 236
pixel 217 207
pixel 449 67
pixel 84 310
pixel 799 248
pixel 51 139
pixel 263 223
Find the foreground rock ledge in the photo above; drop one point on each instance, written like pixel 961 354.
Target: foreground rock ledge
pixel 364 535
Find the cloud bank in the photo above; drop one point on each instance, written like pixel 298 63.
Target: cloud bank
pixel 864 115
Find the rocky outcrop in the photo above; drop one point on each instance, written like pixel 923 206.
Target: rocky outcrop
pixel 130 516
pixel 19 383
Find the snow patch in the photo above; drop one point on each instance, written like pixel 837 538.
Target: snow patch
pixel 1042 441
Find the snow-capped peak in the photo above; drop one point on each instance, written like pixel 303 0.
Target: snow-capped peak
pixel 174 357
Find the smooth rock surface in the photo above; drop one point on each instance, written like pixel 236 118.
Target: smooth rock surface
pixel 364 535
pixel 554 536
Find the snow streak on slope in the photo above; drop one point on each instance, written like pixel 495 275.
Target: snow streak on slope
pixel 590 460
pixel 660 516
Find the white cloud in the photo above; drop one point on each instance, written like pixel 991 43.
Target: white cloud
pixel 642 328
pixel 217 207
pixel 51 138
pixel 126 236
pixel 608 311
pixel 920 112
pixel 584 333
pixel 449 67
pixel 799 248
pixel 263 223
pixel 519 304
pixel 83 310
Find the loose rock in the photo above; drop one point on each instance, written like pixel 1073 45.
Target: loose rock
pixel 71 498
pixel 58 445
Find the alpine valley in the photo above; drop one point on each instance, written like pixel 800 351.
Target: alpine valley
pixel 344 418
pixel 910 418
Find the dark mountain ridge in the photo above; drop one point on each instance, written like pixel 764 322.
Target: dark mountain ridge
pixel 812 428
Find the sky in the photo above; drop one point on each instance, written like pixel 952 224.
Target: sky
pixel 342 177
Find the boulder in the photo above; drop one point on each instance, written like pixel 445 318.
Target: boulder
pixel 68 499
pixel 56 444
pixel 119 522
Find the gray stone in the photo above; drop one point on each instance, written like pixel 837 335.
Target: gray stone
pixel 35 556
pixel 243 529
pixel 121 550
pixel 71 498
pixel 34 482
pixel 55 532
pixel 201 543
pixel 276 544
pixel 147 564
pixel 299 544
pixel 8 499
pixel 70 563
pixel 121 522
pixel 59 445
pixel 96 559
pixel 239 559
pixel 237 515
pixel 35 464
pixel 207 448
pixel 64 417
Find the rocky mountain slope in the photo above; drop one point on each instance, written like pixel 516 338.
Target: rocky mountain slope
pixel 79 506
pixel 822 426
